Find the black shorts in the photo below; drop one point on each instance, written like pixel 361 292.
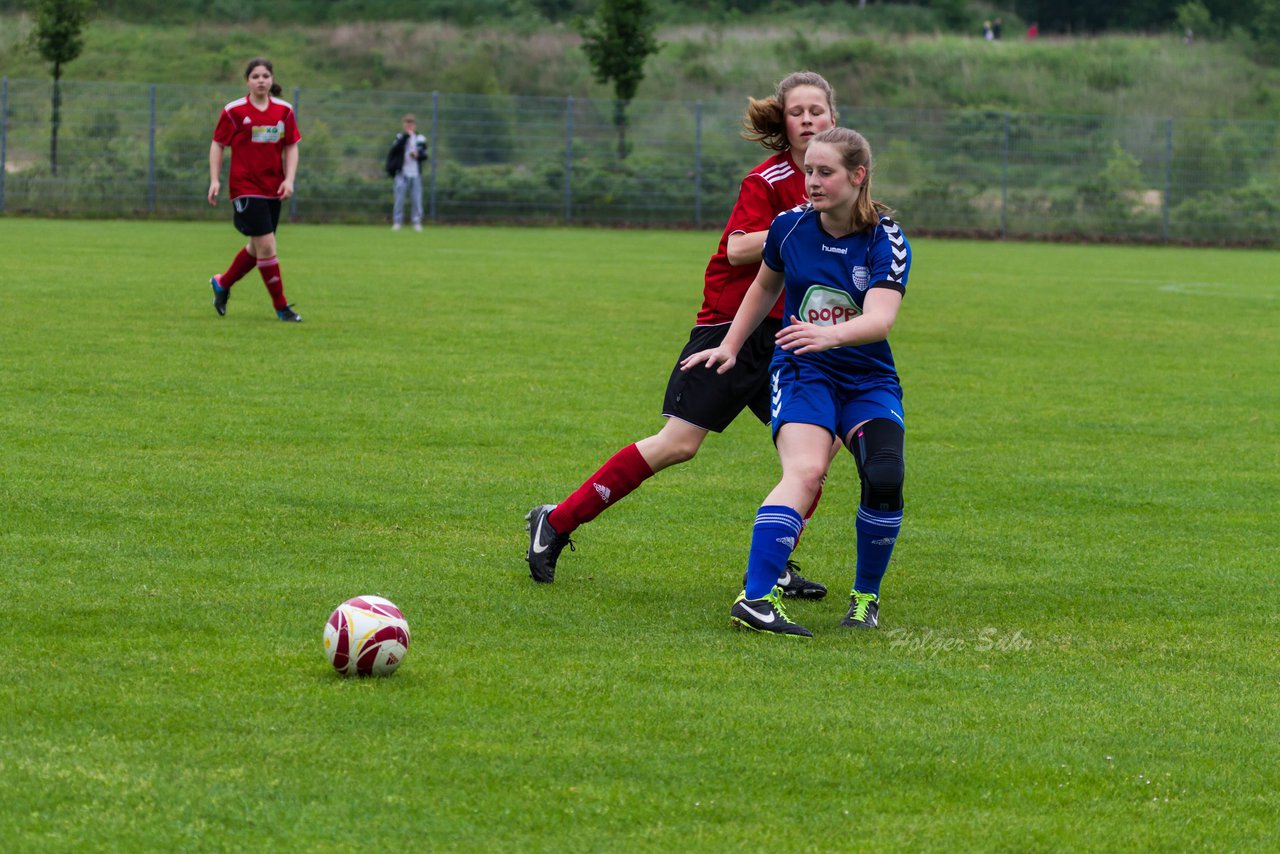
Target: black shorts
pixel 711 401
pixel 256 216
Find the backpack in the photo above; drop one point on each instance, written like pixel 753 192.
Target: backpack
pixel 395 157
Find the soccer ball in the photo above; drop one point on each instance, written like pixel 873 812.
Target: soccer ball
pixel 366 636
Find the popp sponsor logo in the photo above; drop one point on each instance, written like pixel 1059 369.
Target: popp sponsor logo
pixel 828 315
pixel 827 306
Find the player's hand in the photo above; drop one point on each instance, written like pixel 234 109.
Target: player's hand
pixel 214 187
pixel 711 358
pixel 801 338
pixel 286 189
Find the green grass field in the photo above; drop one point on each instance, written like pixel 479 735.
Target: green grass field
pixel 1078 639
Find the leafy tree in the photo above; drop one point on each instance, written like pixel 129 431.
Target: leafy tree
pixel 617 42
pixel 1266 29
pixel 58 37
pixel 1194 17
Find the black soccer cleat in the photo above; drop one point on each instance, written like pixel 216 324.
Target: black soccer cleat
pixel 220 296
pixel 765 615
pixel 545 544
pixel 288 315
pixel 864 611
pixel 796 586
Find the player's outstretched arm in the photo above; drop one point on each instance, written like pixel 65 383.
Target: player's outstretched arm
pixel 745 247
pixel 760 298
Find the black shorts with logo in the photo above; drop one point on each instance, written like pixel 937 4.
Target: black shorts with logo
pixel 256 216
pixel 710 400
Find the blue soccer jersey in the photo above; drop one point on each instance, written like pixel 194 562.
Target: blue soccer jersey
pixel 827 279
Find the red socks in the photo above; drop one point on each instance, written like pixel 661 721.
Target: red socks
pixel 809 513
pixel 270 270
pixel 240 266
pixel 616 479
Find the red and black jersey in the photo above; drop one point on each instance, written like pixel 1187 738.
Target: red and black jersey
pixel 774 186
pixel 257 139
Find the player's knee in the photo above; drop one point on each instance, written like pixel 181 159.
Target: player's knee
pixel 671 449
pixel 808 478
pixel 883 472
pixel 881 466
pixel 682 452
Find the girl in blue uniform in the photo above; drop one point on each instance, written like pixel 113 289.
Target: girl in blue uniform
pixel 844 264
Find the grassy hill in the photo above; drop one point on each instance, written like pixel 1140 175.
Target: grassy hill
pixel 1113 75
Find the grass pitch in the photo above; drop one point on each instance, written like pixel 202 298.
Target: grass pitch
pixel 1078 642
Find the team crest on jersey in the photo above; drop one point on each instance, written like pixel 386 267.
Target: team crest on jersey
pixel 824 306
pixel 267 133
pixel 861 278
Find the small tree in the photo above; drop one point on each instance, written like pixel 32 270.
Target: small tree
pixel 1194 18
pixel 617 43
pixel 58 38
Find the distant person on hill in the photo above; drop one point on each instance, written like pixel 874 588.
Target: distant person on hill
pixel 262 133
pixel 841 264
pixel 701 402
pixel 404 161
pixel 987 32
pixel 1033 31
pixel 997 27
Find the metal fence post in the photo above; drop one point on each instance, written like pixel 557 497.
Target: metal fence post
pixel 568 160
pixel 4 134
pixel 697 164
pixel 435 150
pixel 151 155
pixel 1004 181
pixel 293 200
pixel 1168 174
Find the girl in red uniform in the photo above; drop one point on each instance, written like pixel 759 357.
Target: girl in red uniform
pixel 262 133
pixel 699 402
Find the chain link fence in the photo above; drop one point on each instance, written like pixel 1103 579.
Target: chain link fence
pixel 141 150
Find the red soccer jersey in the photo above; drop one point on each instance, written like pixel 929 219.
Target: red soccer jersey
pixel 774 186
pixel 257 139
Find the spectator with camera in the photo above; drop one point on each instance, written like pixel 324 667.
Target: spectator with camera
pixel 404 161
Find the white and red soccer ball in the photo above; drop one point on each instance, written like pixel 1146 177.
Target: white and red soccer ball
pixel 366 636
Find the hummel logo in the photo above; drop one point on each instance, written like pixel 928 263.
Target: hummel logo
pixel 602 491
pixel 766 617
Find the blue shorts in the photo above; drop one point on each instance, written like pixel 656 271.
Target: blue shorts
pixel 805 394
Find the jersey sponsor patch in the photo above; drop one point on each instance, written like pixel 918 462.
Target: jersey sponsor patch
pixel 825 306
pixel 267 133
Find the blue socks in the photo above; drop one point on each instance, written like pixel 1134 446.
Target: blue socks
pixel 772 540
pixel 774 537
pixel 877 532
